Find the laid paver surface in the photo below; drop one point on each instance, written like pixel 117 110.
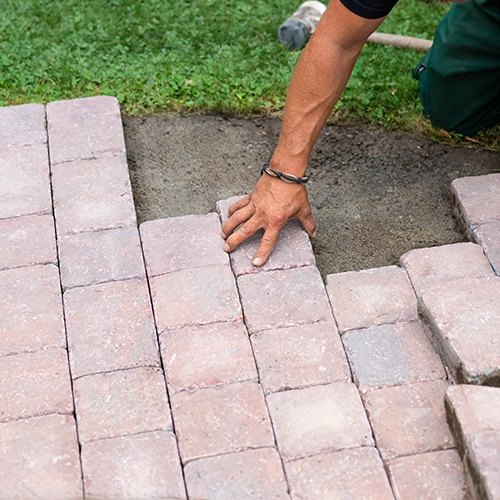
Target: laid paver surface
pixel 146 363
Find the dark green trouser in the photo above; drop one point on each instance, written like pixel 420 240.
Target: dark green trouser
pixel 459 77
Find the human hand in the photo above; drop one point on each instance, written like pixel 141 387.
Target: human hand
pixel 270 205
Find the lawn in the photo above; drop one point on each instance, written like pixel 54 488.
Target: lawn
pixel 187 56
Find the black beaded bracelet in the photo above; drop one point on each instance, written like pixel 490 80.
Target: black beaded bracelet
pixel 288 178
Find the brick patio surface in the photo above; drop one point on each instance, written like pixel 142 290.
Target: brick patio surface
pixel 146 363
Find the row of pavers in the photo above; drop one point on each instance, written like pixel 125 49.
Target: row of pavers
pixel 236 388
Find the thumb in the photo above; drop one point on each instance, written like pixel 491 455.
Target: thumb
pixel 308 223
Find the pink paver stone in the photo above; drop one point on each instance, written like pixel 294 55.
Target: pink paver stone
pixel 34 384
pixel 22 125
pixel 27 241
pixel 488 236
pixel 110 327
pixel 92 195
pixel 139 466
pixel 477 200
pixel 372 297
pixel 182 242
pixel 387 355
pixel 84 128
pixel 25 186
pixel 195 297
pixel 409 419
pixel 354 474
pixel 205 356
pixel 277 299
pixel 31 314
pixel 300 356
pixel 39 459
pixel 430 476
pixel 293 248
pixel 319 419
pixel 465 319
pixel 431 266
pixel 100 256
pixel 220 420
pixel 248 474
pixel 121 403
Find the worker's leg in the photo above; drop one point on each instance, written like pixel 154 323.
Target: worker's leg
pixel 459 77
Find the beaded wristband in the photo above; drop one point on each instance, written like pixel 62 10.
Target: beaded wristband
pixel 288 178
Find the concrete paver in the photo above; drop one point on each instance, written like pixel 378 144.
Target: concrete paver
pixel 488 236
pixel 22 125
pixel 245 475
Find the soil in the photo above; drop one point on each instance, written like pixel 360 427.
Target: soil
pixel 374 194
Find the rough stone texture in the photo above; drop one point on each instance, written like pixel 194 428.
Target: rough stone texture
pixel 430 476
pixel 22 125
pixel 110 327
pixel 319 419
pixel 205 356
pixel 34 384
pixel 121 403
pixel 140 466
pixel 355 474
pixel 283 298
pixel 25 186
pixel 488 236
pixel 465 319
pixel 432 266
pixel 483 464
pixel 92 195
pixel 31 314
pixel 39 459
pixel 182 242
pixel 300 356
pixel 477 200
pixel 372 297
pixel 84 128
pixel 293 248
pixel 100 256
pixel 27 241
pixel 195 297
pixel 409 419
pixel 248 474
pixel 395 354
pixel 220 420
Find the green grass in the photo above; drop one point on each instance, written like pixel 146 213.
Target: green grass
pixel 198 55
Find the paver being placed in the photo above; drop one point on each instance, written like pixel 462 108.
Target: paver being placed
pixel 432 266
pixel 110 327
pixel 195 297
pixel 84 128
pixel 182 242
pixel 27 241
pixel 92 195
pixel 25 186
pixel 31 313
pixel 22 125
pixel 361 299
pixel 222 419
pixel 300 356
pixel 277 299
pixel 100 256
pixel 238 476
pixel 429 476
pixel 465 318
pixel 39 459
pixel 139 466
pixel 34 384
pixel 319 419
pixel 353 474
pixel 488 236
pixel 293 248
pixel 121 403
pixel 206 356
pixel 387 355
pixel 409 419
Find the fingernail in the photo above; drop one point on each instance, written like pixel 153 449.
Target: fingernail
pixel 256 262
pixel 222 235
pixel 226 248
pixel 314 235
